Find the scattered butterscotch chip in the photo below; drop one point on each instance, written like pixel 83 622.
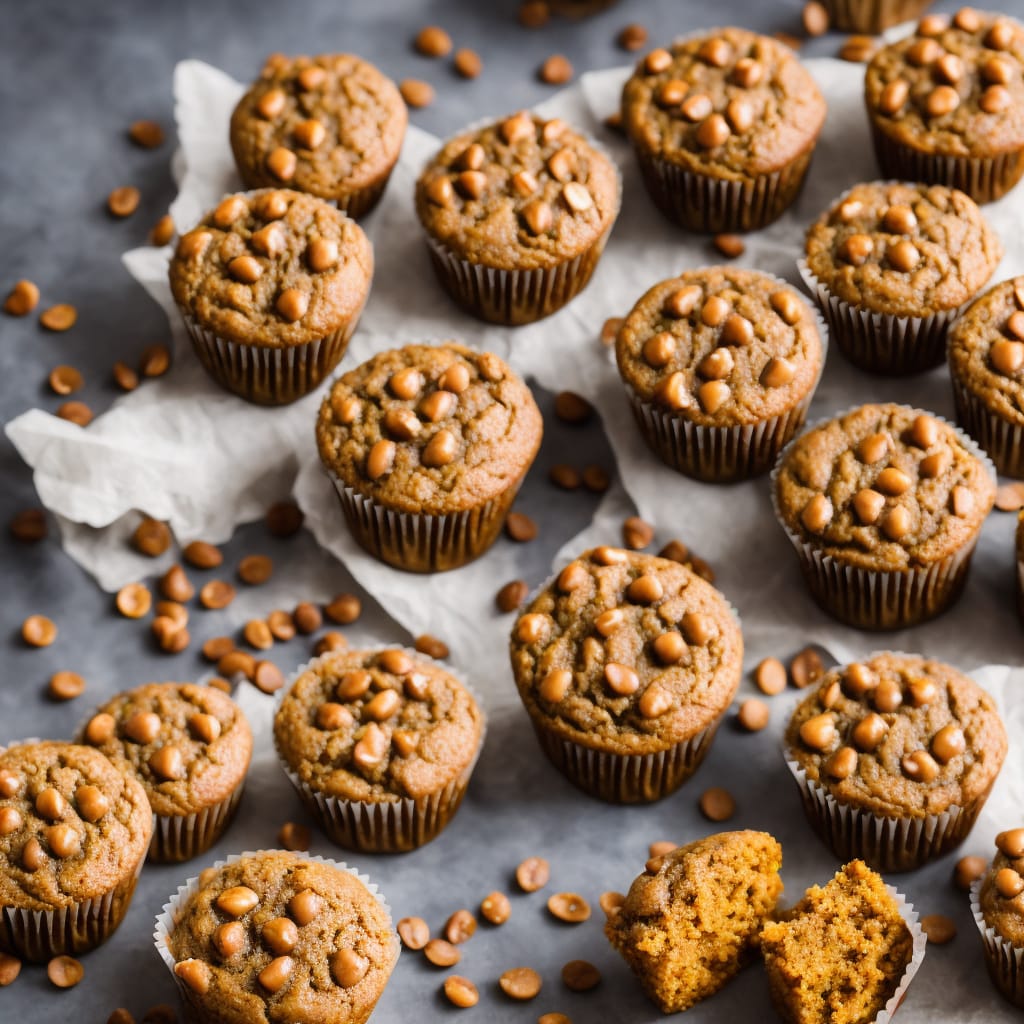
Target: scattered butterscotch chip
pixel 461 991
pixel 171 636
pixel 787 39
pixel 753 715
pixel 534 13
pixel 151 538
pixel 61 317
pixel 28 526
pixel 75 412
pixel 520 527
pixel 162 1013
pixel 858 49
pixel 216 594
pixel 433 41
pixel 580 976
pixel 939 928
pixel 65 380
pixel 701 568
pixel 632 37
pixel 556 70
pixel 147 134
pixel 815 18
pixel 441 953
pixel 216 647
pixel 675 551
pixel 38 631
pixel 281 625
pixel 65 686
pixel 596 479
pixel 284 519
pixel 219 684
pixel 467 63
pixel 255 569
pixel 416 92
pixel 511 596
pixel 806 668
pixel 123 201
pixel 533 874
pixel 307 617
pixel 431 646
pixel 730 246
pixel 565 476
pixel 1010 497
pixel 134 600
pixel 569 907
pixel 661 847
pixel 121 1016
pixel 460 927
pixel 257 634
pixel 572 408
pixel 125 377
pixel 154 361
pixel 414 932
pixel 202 555
pixel 294 836
pixel 554 1018
pixel 330 641
pixel 614 122
pixel 237 663
pixel 717 804
pixel 770 676
pixel 267 677
pixel 611 902
pixel 65 971
pixel 176 586
pixel 610 330
pixel 22 298
pixel 967 870
pixel 637 533
pixel 344 609
pixel 521 983
pixel 173 610
pixel 162 231
pixel 495 908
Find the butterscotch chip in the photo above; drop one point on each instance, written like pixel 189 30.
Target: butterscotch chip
pixel 632 37
pixel 441 953
pixel 717 804
pixel 431 646
pixel 566 477
pixel 753 715
pixel 281 625
pixel 433 41
pixel 858 49
pixel 61 317
pixel 284 519
pixel 730 246
pixel 255 569
pixel 534 13
pixel 520 527
pixel 770 676
pixel 967 870
pixel 75 412
pixel 38 631
pixel 556 70
pixel 147 134
pixel 154 361
pixel 65 380
pixel 611 902
pixel 121 1016
pixel 171 636
pixel 65 971
pixel 162 1013
pixel 806 668
pixel 257 634
pixel 176 586
pixel 65 686
pixel 307 617
pixel 596 479
pixel 219 684
pixel 28 526
pixel 533 874
pixel 580 976
pixel 216 594
pixel 237 663
pixel 1010 497
pixel 268 677
pixel 162 231
pixel 330 641
pixel 939 928
pixel 569 907
pixel 344 609
pixel 217 647
pixel 467 63
pixel 636 533
pixel 495 908
pixel 202 555
pixel 460 927
pixel 554 1018
pixel 151 538
pixel 22 298
pixel 511 596
pixel 173 610
pixel 133 600
pixel 460 991
pixel 520 983
pixel 125 377
pixel 572 408
pixel 815 18
pixel 416 92
pixel 123 201
pixel 294 836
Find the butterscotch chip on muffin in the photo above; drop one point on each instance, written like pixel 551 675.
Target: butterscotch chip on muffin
pixel 840 954
pixel 997 902
pixel 690 922
pixel 330 125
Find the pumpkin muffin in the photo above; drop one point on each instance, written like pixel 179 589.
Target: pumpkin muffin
pixel 271 285
pixel 626 664
pixel 190 747
pixel 997 902
pixel 330 125
pixel 691 921
pixel 380 746
pixel 870 17
pixel 883 505
pixel 723 125
pixel 895 757
pixel 720 366
pixel 845 953
pixel 276 936
pixel 516 216
pixel 426 447
pixel 892 265
pixel 986 361
pixel 74 830
pixel 946 104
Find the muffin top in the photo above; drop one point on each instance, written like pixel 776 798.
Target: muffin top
pixel 954 87
pixel 899 735
pixel 377 726
pixel 903 249
pixel 277 937
pixel 72 825
pixel 520 194
pixel 1001 896
pixel 986 349
pixel 273 267
pixel 883 487
pixel 729 103
pixel 188 745
pixel 429 429
pixel 721 346
pixel 328 125
pixel 626 653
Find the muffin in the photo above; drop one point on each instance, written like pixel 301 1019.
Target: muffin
pixel 626 664
pixel 895 757
pixel 74 830
pixel 892 265
pixel 426 447
pixel 330 125
pixel 723 126
pixel 380 745
pixel 883 505
pixel 946 104
pixel 190 748
pixel 870 17
pixel 278 936
pixel 516 216
pixel 845 954
pixel 691 921
pixel 270 285
pixel 720 366
pixel 997 902
pixel 986 362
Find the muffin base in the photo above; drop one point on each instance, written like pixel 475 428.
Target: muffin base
pixel 1002 440
pixel 1004 960
pixel 872 16
pixel 984 179
pixel 180 837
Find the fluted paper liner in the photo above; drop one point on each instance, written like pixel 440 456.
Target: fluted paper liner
pixel 870 17
pixel 1001 439
pixel 878 599
pixel 392 826
pixel 1004 960
pixel 168 918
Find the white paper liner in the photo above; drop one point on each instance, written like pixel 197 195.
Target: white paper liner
pixel 1004 960
pixel 1001 439
pixel 392 826
pixel 180 837
pixel 869 17
pixel 877 599
pixel 168 918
